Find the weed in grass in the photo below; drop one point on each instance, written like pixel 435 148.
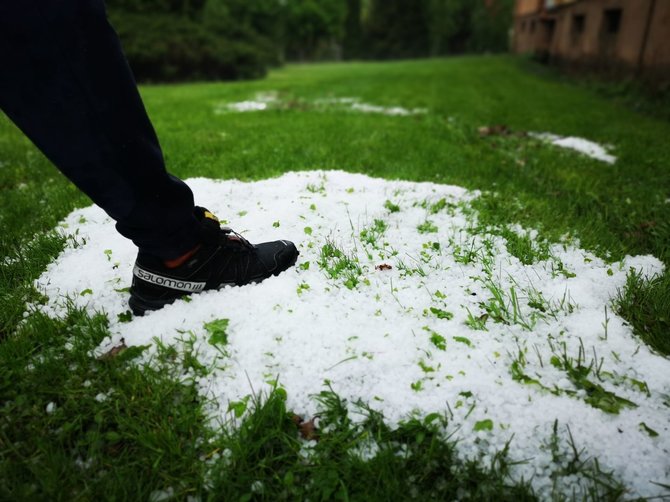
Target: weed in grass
pixel 126 316
pixel 464 340
pixel 537 302
pixel 570 464
pixel 578 373
pixel 483 425
pixel 372 234
pixel 436 339
pixel 476 322
pixel 467 255
pixel 557 268
pixel 527 248
pixel 565 304
pixel 441 205
pixel 338 265
pixel 427 227
pixel 218 332
pixel 651 432
pixel 408 270
pixel 185 355
pixel 436 207
pixel 439 313
pixel 238 408
pixel 392 207
pixel 312 188
pixel 504 306
pixel 425 367
pixel 432 246
pixel 543 308
pixel 517 371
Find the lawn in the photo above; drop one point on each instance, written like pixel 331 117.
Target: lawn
pixel 75 424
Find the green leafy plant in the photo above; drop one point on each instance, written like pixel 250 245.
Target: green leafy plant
pixel 393 208
pixel 483 425
pixel 596 395
pixel 427 227
pixel 218 332
pixel 372 234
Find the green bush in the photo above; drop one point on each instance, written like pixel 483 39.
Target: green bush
pixel 165 47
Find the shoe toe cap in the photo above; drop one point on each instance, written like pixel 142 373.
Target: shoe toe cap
pixel 277 256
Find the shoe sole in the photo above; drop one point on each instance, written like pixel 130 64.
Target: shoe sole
pixel 141 306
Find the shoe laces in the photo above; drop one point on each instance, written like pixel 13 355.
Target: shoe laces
pixel 232 236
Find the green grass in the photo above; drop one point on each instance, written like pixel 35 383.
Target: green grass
pixel 114 429
pixel 150 433
pixel 638 95
pixel 646 304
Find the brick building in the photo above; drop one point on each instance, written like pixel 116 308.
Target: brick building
pixel 622 36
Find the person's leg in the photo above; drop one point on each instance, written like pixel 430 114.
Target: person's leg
pixel 65 83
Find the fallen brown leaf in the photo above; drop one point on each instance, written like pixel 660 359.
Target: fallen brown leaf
pixel 308 430
pixel 114 351
pixel 499 130
pixel 383 266
pixel 494 130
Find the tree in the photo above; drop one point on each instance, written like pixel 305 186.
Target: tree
pixel 491 22
pixel 193 39
pixel 397 29
pixel 449 26
pixel 353 32
pixel 312 26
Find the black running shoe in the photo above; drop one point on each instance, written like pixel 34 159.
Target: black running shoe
pixel 225 258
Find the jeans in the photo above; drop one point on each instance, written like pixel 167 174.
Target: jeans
pixel 65 82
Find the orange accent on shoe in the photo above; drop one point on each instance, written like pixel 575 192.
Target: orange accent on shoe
pixel 182 259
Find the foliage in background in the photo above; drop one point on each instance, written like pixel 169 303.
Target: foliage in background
pixel 314 29
pixel 411 28
pixel 171 40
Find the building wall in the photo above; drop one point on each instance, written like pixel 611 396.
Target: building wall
pixel 550 4
pixel 598 33
pixel 524 7
pixel 657 53
pixel 525 25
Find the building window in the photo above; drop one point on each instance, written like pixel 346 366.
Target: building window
pixel 523 26
pixel 609 33
pixel 577 28
pixel 612 21
pixel 532 26
pixel 548 27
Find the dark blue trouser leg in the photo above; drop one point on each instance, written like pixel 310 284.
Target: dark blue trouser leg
pixel 65 83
